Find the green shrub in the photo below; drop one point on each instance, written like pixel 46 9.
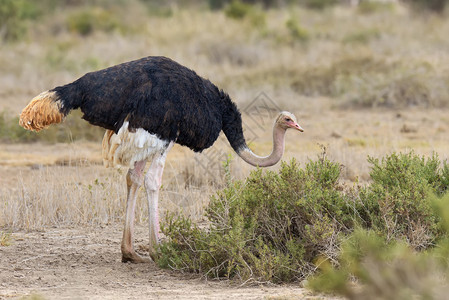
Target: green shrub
pixel 369 7
pixel 388 270
pixel 275 225
pixel 318 4
pixel 269 227
pixel 397 201
pixel 363 36
pixel 85 22
pixel 238 9
pixel 297 32
pixel 383 271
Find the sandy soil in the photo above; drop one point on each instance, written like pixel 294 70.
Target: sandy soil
pixel 84 263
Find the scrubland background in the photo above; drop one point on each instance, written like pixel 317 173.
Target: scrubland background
pixel 367 78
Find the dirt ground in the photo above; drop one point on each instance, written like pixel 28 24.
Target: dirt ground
pixel 83 263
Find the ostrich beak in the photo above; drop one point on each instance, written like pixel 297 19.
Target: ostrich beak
pixel 297 127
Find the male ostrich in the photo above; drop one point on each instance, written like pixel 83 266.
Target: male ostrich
pixel 146 106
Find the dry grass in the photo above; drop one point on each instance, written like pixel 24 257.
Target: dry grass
pixel 86 195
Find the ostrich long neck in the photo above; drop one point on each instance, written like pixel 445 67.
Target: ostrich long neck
pixel 265 161
pixel 232 128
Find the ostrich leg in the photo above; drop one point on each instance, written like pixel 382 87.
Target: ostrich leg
pixel 133 181
pixel 153 181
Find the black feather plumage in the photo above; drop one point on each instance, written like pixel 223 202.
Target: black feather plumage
pixel 160 96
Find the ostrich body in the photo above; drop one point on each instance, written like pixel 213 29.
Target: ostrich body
pixel 146 106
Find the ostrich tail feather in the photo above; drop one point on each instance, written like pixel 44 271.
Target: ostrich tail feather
pixel 43 110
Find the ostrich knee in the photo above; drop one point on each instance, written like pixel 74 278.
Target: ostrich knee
pixel 134 179
pixel 153 178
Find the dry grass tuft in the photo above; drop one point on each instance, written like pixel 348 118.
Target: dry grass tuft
pixel 5 238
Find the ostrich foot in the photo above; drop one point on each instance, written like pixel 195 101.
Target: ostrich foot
pixel 153 254
pixel 134 258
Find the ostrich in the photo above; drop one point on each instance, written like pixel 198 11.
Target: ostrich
pixel 146 106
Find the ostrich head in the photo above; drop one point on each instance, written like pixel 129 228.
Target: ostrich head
pixel 287 120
